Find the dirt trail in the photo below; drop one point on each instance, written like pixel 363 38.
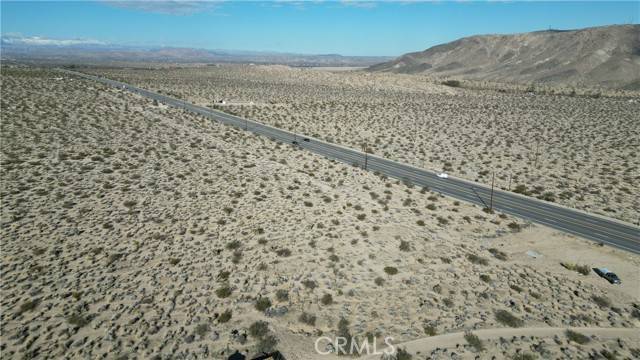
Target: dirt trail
pixel 425 345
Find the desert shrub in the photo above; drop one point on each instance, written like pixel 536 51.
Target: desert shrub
pixel 498 254
pixel 445 260
pixel 475 259
pixel 224 275
pixel 225 316
pixel 390 270
pixel 327 299
pixel 524 356
pixel 432 207
pixel 307 318
pixel 283 252
pixel 174 261
pixel 77 320
pixel 452 83
pixel 506 318
pixel 577 337
pixel 233 245
pixel 514 226
pixel 601 301
pixel 259 329
pixel 379 281
pixel 343 332
pixel 402 354
pixel 420 222
pixel 29 305
pixel 474 341
pixel 282 295
pixel 223 292
pixel 430 330
pixel 405 246
pixel 582 269
pixel 486 278
pixel 263 304
pixel 310 284
pixel 202 329
pixel 267 344
pixel 515 287
pixel 334 257
pixel 442 221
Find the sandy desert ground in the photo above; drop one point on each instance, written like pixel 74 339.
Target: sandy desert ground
pixel 580 151
pixel 134 230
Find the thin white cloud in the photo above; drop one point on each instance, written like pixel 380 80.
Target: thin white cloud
pixel 359 4
pixel 167 7
pixel 15 39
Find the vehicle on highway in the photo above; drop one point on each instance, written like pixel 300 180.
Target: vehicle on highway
pixel 608 275
pixel 294 142
pixel 443 175
pixel 306 139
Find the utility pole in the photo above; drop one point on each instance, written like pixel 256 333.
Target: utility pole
pixel 510 181
pixel 493 177
pixel 246 124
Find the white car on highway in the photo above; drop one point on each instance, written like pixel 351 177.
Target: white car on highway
pixel 443 175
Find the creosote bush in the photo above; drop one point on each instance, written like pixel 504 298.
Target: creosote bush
pixel 506 318
pixel 473 340
pixel 263 304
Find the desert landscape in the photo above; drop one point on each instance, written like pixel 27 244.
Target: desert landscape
pixel 575 148
pixel 134 230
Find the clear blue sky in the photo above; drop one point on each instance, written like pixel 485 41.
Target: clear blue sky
pixel 320 27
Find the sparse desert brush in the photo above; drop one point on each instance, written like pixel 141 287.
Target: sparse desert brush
pixel 202 329
pixel 224 291
pixel 582 269
pixel 403 354
pixel 405 246
pixel 473 340
pixel 233 245
pixel 259 329
pixel 225 316
pixel 309 284
pixel 506 318
pixel 307 318
pixel 263 304
pixel 29 305
pixel 327 299
pixel 514 226
pixel 601 301
pixel 78 320
pixel 430 330
pixel 283 252
pixel 577 337
pixel 498 254
pixel 485 278
pixel 475 259
pixel 379 281
pixel 390 270
pixel 282 295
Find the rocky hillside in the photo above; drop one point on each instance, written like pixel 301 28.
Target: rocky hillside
pixel 601 56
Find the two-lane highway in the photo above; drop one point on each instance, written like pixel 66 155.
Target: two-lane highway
pixel 594 227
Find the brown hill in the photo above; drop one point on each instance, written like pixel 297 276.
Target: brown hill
pixel 606 56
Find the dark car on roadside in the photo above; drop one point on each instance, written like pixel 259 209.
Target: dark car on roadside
pixel 607 275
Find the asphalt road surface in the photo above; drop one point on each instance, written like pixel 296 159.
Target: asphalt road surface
pixel 594 227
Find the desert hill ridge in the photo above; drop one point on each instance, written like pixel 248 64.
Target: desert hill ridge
pixel 607 56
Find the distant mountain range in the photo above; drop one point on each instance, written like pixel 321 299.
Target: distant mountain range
pixel 93 52
pixel 606 56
